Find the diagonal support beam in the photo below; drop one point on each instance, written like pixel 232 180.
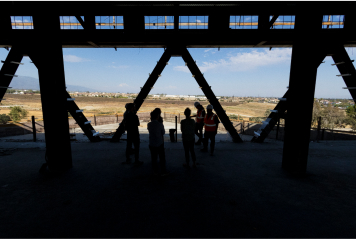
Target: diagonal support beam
pixel 80 118
pixel 80 20
pixel 161 64
pixel 347 69
pixel 274 18
pixel 210 95
pixel 9 68
pixel 146 88
pixel 272 120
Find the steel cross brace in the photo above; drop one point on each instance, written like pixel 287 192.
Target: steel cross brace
pixel 210 95
pixel 181 51
pixel 9 69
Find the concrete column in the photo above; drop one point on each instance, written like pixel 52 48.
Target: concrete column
pixel 5 24
pixel 48 57
pixel 307 54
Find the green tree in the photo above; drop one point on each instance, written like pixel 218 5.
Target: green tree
pixel 351 116
pixel 351 111
pixel 17 113
pixel 4 118
pixel 317 112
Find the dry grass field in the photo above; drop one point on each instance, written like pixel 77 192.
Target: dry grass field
pixel 98 105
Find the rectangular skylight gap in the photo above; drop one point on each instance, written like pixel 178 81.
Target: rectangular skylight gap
pixel 193 22
pixel 70 22
pixel 21 22
pixel 283 22
pixel 159 22
pixel 244 22
pixel 333 21
pixel 109 22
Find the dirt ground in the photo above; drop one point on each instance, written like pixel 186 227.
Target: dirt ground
pixel 96 105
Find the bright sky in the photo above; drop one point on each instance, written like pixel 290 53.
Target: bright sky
pixel 230 71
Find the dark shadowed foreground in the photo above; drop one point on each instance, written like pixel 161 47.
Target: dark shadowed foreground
pixel 240 192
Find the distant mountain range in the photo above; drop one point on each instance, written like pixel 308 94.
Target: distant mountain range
pixel 30 83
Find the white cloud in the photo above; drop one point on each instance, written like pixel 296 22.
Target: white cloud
pixel 73 58
pixel 245 61
pixel 198 20
pixel 208 50
pixel 123 85
pixel 181 68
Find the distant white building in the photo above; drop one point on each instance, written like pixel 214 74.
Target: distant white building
pixel 155 96
pixel 171 96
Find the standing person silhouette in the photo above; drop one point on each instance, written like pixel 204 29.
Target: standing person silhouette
pixel 160 119
pixel 211 123
pixel 156 132
pixel 132 151
pixel 199 122
pixel 133 136
pixel 187 126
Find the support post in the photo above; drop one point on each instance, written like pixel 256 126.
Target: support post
pixel 307 54
pixel 210 95
pixel 33 128
pixel 263 22
pixel 277 128
pixel 52 87
pixel 5 23
pixel 219 22
pixel 176 17
pixel 176 129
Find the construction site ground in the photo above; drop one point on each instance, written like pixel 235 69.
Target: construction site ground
pixel 241 191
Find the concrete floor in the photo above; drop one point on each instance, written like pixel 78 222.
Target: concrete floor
pixel 240 192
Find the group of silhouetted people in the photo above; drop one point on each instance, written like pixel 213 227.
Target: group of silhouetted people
pixel 189 128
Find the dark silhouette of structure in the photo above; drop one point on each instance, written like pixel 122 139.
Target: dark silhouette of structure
pixel 310 39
